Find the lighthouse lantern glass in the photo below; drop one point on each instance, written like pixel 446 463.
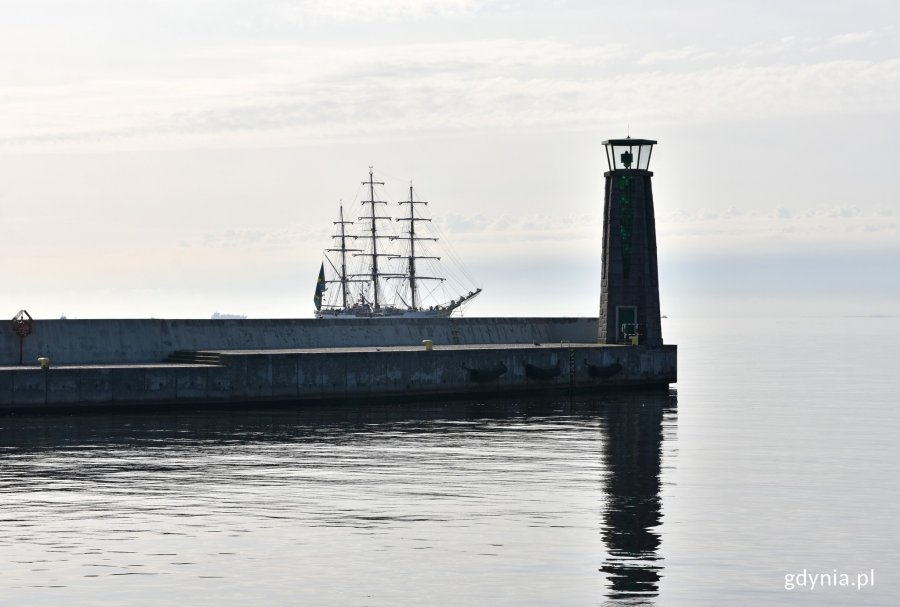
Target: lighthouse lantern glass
pixel 623 154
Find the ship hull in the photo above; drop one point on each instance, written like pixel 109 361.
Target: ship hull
pixel 382 313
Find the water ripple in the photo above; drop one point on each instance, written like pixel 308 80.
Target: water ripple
pixel 289 503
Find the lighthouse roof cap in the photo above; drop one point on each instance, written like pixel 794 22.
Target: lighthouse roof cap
pixel 629 141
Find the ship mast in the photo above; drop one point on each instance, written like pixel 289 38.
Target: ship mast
pixel 374 274
pixel 343 250
pixel 412 257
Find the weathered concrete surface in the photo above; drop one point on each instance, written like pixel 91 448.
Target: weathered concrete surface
pixel 81 342
pixel 333 373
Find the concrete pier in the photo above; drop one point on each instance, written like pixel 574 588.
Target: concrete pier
pixel 151 340
pixel 339 373
pixel 172 362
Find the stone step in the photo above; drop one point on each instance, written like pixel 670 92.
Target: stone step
pixel 193 357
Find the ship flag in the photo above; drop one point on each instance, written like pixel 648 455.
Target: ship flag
pixel 320 287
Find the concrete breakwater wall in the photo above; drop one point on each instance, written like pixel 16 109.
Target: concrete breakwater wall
pixel 81 342
pixel 340 373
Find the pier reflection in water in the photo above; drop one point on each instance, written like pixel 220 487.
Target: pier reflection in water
pixel 532 501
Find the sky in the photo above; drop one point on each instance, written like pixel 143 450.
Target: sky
pixel 175 159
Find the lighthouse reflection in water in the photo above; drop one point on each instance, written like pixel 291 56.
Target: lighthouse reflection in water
pixel 632 457
pixel 533 501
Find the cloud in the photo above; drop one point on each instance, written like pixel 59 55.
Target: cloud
pixel 685 53
pixel 817 228
pixel 736 229
pixel 322 93
pixel 883 227
pixel 765 48
pixel 849 38
pixel 456 223
pixel 267 238
pixel 679 232
pixel 845 211
pixel 389 10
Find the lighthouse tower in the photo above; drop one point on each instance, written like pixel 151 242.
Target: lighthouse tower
pixel 629 287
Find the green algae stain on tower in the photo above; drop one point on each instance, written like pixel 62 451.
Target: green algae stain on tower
pixel 629 289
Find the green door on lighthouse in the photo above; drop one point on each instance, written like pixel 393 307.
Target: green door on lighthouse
pixel 626 319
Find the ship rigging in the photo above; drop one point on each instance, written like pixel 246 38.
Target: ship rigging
pixel 385 282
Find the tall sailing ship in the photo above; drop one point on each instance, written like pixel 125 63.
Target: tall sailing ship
pixel 381 279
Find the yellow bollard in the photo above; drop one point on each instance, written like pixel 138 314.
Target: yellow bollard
pixel 429 345
pixel 44 362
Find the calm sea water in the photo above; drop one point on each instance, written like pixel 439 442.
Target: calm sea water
pixel 776 453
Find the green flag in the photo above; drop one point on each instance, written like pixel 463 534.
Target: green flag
pixel 320 287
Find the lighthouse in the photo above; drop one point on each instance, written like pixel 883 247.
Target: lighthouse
pixel 629 283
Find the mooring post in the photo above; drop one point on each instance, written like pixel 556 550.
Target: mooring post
pixel 22 325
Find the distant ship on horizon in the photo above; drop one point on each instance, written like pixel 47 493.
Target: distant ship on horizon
pixel 371 288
